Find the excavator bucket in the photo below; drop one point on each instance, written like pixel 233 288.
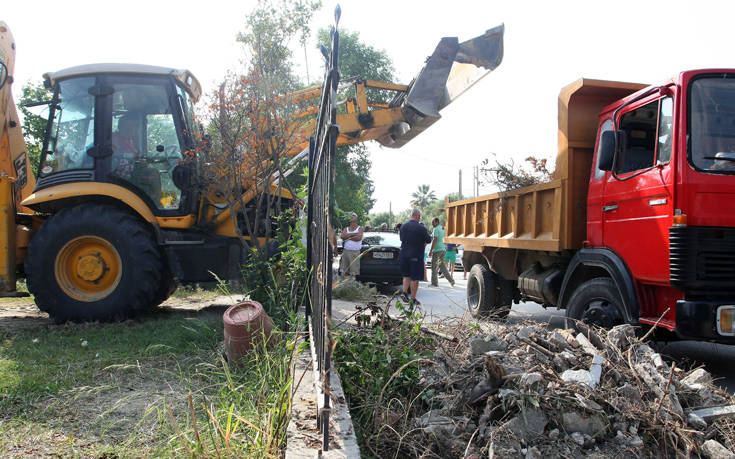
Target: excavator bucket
pixel 452 69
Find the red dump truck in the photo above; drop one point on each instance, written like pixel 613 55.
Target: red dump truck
pixel 637 225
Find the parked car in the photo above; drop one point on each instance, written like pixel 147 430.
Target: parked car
pixel 379 260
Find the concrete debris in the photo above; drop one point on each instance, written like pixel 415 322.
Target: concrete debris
pixel 580 377
pixel 621 337
pixel 715 412
pixel 526 391
pixel 529 379
pixel 528 425
pixel 695 421
pixel 481 344
pixel 593 425
pixel 713 449
pixel 699 376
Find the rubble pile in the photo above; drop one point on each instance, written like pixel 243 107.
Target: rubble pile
pixel 526 391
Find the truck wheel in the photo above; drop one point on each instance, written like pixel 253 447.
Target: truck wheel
pixel 483 298
pixel 93 262
pixel 597 302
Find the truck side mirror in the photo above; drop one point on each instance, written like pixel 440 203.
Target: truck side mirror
pixel 607 148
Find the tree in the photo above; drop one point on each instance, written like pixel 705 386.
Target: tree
pixel 34 126
pixel 353 188
pixel 251 123
pixel 423 196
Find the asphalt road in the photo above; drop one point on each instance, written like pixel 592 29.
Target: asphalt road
pixel 446 301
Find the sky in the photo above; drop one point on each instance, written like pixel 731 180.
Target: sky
pixel 511 113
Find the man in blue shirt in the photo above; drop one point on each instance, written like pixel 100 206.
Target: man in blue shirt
pixel 414 238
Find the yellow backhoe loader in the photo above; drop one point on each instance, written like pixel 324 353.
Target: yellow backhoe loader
pixel 101 234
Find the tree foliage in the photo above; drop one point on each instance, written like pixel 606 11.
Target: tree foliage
pixel 507 175
pixel 353 188
pixel 34 127
pixel 423 196
pixel 251 123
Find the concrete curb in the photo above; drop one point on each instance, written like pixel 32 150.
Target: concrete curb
pixel 303 439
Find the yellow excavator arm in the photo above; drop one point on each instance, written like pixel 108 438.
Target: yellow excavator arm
pixel 449 71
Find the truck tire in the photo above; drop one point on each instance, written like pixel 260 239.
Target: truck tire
pixel 93 262
pixel 597 302
pixel 483 295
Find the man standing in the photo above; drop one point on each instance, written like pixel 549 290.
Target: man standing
pixel 414 238
pixel 438 251
pixel 351 245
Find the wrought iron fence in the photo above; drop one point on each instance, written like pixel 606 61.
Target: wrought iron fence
pixel 319 254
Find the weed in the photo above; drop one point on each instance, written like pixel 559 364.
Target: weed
pixel 352 290
pixel 379 372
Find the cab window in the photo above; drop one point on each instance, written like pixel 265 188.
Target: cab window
pixel 72 128
pixel 145 142
pixel 647 133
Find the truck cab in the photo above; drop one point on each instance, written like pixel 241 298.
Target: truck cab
pixel 662 200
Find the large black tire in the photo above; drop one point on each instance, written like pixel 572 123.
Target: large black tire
pixel 597 302
pixel 484 298
pixel 120 254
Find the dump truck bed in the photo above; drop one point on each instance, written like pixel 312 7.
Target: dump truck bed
pixel 550 216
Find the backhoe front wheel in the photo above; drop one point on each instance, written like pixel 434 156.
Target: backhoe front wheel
pixel 93 262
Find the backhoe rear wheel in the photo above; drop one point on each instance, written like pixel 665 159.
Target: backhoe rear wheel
pixel 93 262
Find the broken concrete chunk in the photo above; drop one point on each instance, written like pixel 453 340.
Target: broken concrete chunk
pixel 715 412
pixel 528 425
pixel 621 336
pixel 629 392
pixel 714 450
pixel 529 379
pixel 588 347
pixel 593 425
pixel 525 332
pixel 568 334
pixel 577 438
pixel 533 453
pixel 480 344
pixel 554 434
pixel 580 377
pixel 698 376
pixel 696 422
pixel 559 341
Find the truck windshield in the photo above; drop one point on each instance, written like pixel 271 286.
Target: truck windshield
pixel 712 124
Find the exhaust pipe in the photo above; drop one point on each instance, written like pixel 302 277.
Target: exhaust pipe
pixel 452 69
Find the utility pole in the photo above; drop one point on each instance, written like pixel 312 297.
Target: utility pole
pixel 390 214
pixel 460 184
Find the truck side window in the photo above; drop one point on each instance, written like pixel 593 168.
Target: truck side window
pixel 607 125
pixel 639 126
pixel 665 124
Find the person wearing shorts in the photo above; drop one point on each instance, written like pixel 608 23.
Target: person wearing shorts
pixel 414 238
pixel 351 247
pixel 451 256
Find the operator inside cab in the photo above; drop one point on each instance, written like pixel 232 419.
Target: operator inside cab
pixel 127 162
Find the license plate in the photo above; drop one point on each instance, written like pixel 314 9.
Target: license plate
pixel 383 255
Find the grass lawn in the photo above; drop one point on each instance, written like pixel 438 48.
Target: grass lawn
pixel 157 386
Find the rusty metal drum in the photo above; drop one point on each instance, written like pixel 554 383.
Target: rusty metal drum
pixel 246 326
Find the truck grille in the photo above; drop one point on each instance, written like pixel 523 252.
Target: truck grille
pixel 702 260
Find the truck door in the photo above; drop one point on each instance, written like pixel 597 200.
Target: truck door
pixel 637 204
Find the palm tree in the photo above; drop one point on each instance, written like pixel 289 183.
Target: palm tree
pixel 423 196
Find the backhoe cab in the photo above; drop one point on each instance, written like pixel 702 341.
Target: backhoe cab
pixel 125 125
